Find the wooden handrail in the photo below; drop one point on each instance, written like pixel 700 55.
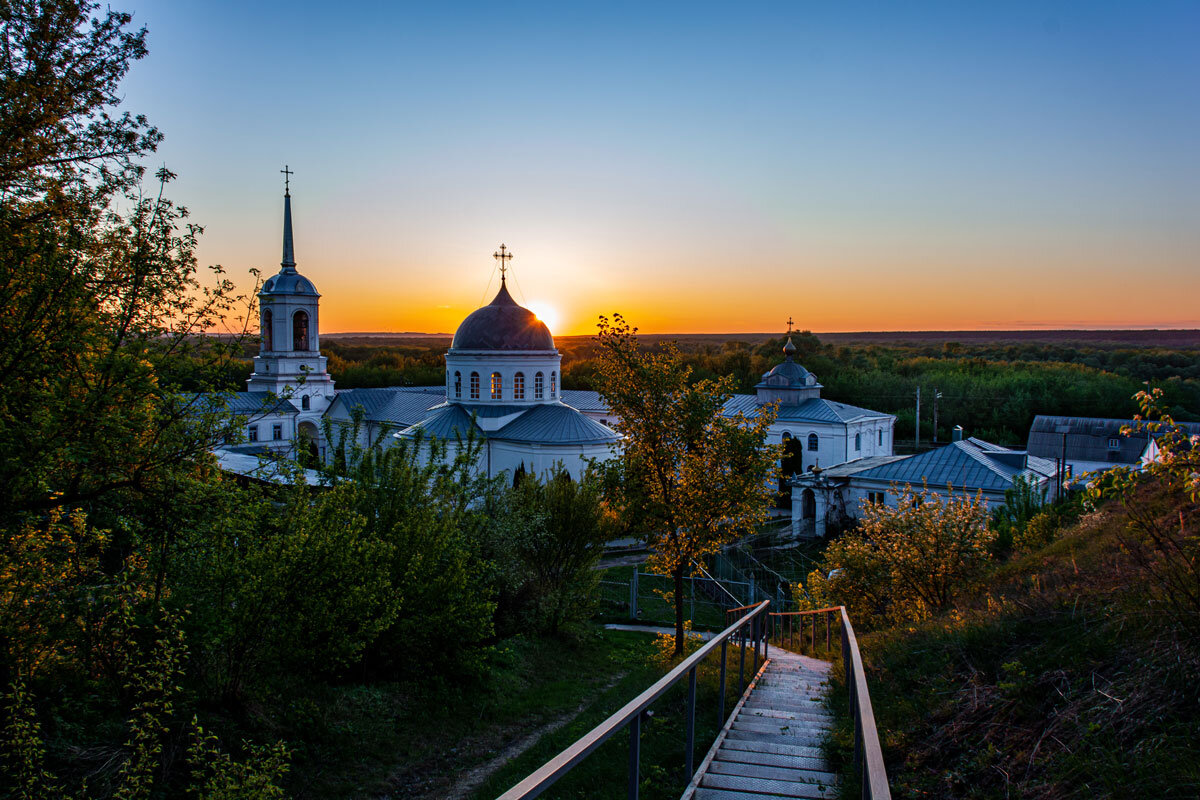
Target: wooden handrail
pixel 797 613
pixel 868 755
pixel 631 714
pixel 742 608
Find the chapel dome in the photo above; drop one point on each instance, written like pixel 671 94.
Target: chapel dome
pixel 502 325
pixel 789 374
pixel 288 281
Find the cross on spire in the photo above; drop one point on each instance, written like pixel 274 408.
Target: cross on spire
pixel 287 174
pixel 503 256
pixel 789 324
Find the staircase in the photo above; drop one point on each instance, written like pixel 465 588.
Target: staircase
pixel 771 745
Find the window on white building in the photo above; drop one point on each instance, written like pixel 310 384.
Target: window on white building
pixel 277 431
pixel 497 386
pixel 304 404
pixel 553 383
pixel 858 441
pixel 537 386
pixel 474 385
pixel 881 437
pixel 876 498
pixel 813 442
pixel 519 386
pixel 1114 444
pixel 252 433
pixel 457 385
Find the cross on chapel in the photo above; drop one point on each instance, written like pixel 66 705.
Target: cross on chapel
pixel 503 256
pixel 287 174
pixel 789 324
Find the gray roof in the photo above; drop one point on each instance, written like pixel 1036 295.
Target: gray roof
pixel 556 423
pixel 243 403
pixel 262 467
pixel 584 400
pixel 288 281
pixel 502 325
pixel 394 405
pixel 967 465
pixel 1088 439
pixel 550 423
pixel 814 409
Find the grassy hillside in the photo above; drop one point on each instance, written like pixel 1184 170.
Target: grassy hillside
pixel 1062 677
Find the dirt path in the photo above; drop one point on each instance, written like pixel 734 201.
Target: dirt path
pixel 471 779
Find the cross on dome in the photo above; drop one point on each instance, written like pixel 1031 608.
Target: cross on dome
pixel 503 256
pixel 287 174
pixel 789 324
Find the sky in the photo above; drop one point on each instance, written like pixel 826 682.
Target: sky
pixel 696 167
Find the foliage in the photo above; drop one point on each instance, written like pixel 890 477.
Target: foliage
pixel 692 478
pixel 1022 502
pixel 216 776
pixel 421 499
pixel 906 561
pixel 546 541
pixel 1160 501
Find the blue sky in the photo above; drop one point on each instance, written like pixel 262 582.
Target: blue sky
pixel 699 167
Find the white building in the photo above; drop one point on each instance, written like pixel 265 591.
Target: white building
pixel 970 466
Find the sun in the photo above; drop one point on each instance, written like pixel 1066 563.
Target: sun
pixel 545 312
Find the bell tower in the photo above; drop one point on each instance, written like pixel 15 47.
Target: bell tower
pixel 289 362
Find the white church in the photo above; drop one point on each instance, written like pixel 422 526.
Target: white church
pixel 503 388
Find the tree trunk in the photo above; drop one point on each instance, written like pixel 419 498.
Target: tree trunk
pixel 677 574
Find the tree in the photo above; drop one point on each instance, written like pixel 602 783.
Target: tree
pixel 907 561
pixel 690 477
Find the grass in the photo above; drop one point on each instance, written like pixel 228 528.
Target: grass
pixel 604 773
pixel 400 740
pixel 1056 679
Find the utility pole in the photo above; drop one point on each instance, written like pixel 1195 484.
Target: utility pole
pixel 936 396
pixel 917 439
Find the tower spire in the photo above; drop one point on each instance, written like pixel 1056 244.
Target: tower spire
pixel 289 258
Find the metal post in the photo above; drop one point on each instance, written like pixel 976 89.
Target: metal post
pixel 742 661
pixel 766 636
pixel 721 707
pixel 633 595
pixel 635 746
pixel 754 642
pixel 691 723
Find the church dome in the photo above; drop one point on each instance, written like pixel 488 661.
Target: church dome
pixel 288 281
pixel 502 325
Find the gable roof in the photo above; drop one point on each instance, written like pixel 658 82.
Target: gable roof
pixel 969 465
pixel 1088 438
pixel 814 409
pixel 250 404
pixel 400 406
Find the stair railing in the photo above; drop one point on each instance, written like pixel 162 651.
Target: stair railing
pixel 750 628
pixel 868 755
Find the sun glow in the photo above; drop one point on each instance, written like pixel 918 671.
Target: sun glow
pixel 545 312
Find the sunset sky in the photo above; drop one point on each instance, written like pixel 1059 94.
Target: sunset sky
pixel 697 167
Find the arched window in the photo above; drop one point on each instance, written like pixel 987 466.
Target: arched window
pixel 497 386
pixel 881 437
pixel 858 441
pixel 474 385
pixel 266 331
pixel 537 386
pixel 300 330
pixel 457 385
pixel 519 386
pixel 553 383
pixel 813 442
pixel 304 405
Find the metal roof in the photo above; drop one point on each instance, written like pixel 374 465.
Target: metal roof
pixel 396 405
pixel 1088 438
pixel 263 468
pixel 445 422
pixel 814 409
pixel 970 464
pixel 556 423
pixel 584 400
pixel 502 325
pixel 243 403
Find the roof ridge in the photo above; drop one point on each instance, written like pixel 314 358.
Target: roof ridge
pixel 978 454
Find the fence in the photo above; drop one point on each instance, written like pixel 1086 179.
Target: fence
pixel 749 629
pixel 646 598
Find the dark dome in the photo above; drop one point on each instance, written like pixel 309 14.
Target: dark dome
pixel 288 281
pixel 502 325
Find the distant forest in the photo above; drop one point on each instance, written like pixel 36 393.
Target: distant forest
pixel 991 383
